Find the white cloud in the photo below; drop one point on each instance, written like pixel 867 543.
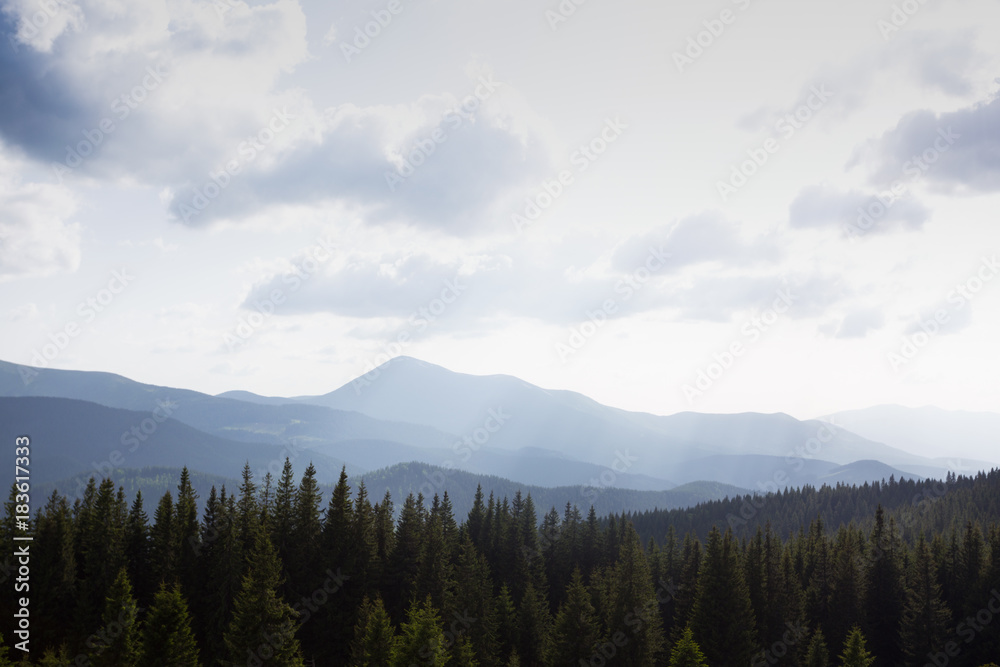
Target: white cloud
pixel 37 237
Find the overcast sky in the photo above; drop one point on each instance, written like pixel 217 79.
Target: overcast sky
pixel 713 206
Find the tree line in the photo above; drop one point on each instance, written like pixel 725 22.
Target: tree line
pixel 271 574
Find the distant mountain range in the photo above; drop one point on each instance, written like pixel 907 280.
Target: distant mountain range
pixel 412 411
pixel 928 431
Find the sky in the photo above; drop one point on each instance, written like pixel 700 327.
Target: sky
pixel 725 206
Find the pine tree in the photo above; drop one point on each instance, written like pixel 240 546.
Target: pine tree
pixel 374 636
pixel 925 617
pixel 534 627
pixel 101 537
pixel 54 555
pixel 576 627
pixel 845 601
pixel 474 598
pixel 722 619
pixel 630 605
pixel 119 636
pixel 186 534
pixel 686 652
pixel 507 625
pixel 884 591
pixel 263 625
pixel 137 553
pixel 161 541
pixel 4 659
pixel 421 640
pixel 281 523
pixel 167 638
pixel 855 650
pixel 817 655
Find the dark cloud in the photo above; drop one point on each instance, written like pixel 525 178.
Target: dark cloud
pixel 957 151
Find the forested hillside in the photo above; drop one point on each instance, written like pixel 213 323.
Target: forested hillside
pixel 277 574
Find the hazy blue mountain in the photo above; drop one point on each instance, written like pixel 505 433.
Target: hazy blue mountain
pixel 71 438
pixel 409 390
pixel 277 422
pixel 929 431
pixel 409 410
pixel 411 477
pixel 771 473
pixel 528 466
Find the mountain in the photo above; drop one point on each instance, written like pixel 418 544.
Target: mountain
pixel 410 410
pixel 771 473
pixel 71 438
pixel 928 431
pixel 408 390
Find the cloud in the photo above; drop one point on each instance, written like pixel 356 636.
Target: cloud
pixel 858 322
pixel 825 205
pixel 36 235
pixel 947 62
pixel 958 151
pixel 702 238
pixel 556 282
pixel 113 93
pixel 443 174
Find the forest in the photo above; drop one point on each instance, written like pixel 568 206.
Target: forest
pixel 893 573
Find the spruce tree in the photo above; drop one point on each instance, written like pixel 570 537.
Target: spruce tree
pixel 722 619
pixel 686 652
pixel 167 638
pixel 119 636
pixel 817 655
pixel 925 617
pixel 576 627
pixel 534 627
pixel 884 594
pixel 630 607
pixel 856 650
pixel 421 639
pixel 186 534
pixel 374 636
pixel 263 626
